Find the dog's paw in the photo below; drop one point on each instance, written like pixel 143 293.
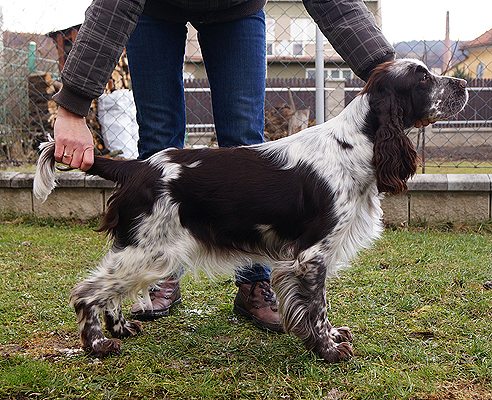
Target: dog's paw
pixel 341 334
pixel 337 353
pixel 133 328
pixel 128 329
pixel 104 347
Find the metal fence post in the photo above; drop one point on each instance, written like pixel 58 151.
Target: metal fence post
pixel 31 58
pixel 320 78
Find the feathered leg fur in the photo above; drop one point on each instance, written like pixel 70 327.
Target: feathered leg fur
pixel 120 274
pixel 301 293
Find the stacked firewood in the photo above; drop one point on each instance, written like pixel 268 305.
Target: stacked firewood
pixel 120 78
pixel 40 89
pixel 277 121
pixel 284 121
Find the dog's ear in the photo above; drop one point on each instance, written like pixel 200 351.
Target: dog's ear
pixel 394 156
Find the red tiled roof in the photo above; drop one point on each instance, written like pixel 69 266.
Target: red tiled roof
pixel 483 40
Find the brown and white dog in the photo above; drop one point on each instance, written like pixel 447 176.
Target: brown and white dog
pixel 304 204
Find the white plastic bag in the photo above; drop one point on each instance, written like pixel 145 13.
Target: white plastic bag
pixel 118 118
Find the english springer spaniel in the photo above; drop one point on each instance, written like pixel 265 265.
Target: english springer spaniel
pixel 305 204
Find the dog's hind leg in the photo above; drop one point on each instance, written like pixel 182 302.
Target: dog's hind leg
pixel 90 300
pixel 91 334
pixel 119 274
pixel 301 293
pixel 118 326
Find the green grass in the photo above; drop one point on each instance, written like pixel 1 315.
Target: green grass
pixel 415 302
pixel 22 167
pixel 457 167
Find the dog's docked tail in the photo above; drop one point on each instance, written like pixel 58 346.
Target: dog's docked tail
pixel 44 179
pixel 117 171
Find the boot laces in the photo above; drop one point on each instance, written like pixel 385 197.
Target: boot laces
pixel 267 292
pixel 152 292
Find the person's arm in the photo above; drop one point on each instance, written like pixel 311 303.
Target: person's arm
pixel 352 31
pixel 99 44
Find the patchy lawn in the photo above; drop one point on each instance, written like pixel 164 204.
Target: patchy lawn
pixel 416 304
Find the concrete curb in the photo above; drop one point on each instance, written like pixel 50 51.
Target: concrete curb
pixel 64 179
pixel 439 197
pixel 76 196
pixel 454 182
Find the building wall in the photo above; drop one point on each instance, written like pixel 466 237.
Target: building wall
pixel 476 56
pixel 291 41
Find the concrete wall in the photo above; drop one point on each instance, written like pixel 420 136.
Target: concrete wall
pixel 457 198
pixel 460 198
pixel 77 195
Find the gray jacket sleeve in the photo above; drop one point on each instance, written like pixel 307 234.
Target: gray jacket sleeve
pixel 99 44
pixel 352 31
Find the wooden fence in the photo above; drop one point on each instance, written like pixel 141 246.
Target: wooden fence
pixel 300 94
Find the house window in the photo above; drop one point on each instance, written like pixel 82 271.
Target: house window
pixel 188 76
pixel 332 73
pixel 480 70
pixel 270 37
pixel 347 74
pixel 311 73
pixel 297 49
pixel 302 32
pixel 284 48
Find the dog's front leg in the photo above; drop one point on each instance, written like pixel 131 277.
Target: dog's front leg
pixel 301 293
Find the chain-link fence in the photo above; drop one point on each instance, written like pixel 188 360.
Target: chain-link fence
pixel 30 68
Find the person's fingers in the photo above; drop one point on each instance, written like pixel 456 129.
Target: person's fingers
pixel 74 145
pixel 67 156
pixel 424 122
pixel 76 159
pixel 59 151
pixel 87 159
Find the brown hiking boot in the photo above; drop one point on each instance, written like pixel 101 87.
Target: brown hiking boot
pixel 256 301
pixel 163 298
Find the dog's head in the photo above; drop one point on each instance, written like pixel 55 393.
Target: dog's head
pixel 400 93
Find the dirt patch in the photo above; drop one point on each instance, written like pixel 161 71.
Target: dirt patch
pixel 461 391
pixel 54 346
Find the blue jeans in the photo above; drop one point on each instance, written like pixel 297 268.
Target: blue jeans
pixel 234 57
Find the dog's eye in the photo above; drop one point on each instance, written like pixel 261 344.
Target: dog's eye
pixel 426 78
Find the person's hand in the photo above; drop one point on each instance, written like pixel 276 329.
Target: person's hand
pixel 74 145
pixel 424 122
